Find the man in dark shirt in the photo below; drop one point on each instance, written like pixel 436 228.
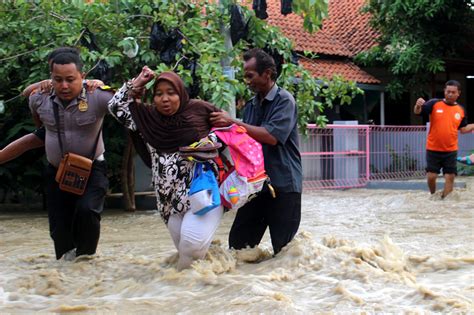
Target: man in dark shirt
pixel 270 118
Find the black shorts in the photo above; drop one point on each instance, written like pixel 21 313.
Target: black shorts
pixel 435 161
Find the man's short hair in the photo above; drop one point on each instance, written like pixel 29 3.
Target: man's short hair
pixel 453 83
pixel 65 59
pixel 61 50
pixel 263 61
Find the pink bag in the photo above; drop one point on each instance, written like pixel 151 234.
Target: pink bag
pixel 244 174
pixel 246 152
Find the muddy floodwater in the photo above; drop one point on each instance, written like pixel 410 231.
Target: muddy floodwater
pixel 379 251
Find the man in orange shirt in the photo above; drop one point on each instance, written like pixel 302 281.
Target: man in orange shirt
pixel 446 118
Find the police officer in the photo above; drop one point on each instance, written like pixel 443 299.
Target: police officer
pixel 74 220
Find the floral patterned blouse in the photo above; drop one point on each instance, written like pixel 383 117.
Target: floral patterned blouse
pixel 171 174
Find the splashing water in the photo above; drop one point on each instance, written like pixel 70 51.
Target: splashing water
pixel 356 251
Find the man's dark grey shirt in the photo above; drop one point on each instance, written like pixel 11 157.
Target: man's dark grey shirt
pixel 277 113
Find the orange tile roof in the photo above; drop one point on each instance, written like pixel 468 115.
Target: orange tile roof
pixel 324 68
pixel 347 23
pixel 345 32
pixel 292 26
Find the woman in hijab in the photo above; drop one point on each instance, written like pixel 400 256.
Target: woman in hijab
pixel 171 122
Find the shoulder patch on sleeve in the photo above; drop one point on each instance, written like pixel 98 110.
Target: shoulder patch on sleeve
pixel 106 88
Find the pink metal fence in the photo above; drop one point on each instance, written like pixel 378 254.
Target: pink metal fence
pixel 397 152
pixel 335 157
pixel 348 156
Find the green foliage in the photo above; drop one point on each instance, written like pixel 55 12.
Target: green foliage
pixel 312 11
pixel 30 30
pixel 415 38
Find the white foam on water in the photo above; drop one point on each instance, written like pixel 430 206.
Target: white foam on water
pixel 356 251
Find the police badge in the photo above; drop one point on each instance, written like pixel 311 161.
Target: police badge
pixel 83 106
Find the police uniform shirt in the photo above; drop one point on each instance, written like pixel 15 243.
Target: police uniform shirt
pixel 80 123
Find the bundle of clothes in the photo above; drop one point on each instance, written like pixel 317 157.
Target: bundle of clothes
pixel 229 170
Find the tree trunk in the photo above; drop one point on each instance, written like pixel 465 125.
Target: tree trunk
pixel 128 177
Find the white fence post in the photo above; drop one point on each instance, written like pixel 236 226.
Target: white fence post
pixel 345 140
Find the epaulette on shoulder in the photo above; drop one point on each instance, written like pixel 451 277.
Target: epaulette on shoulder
pixel 106 88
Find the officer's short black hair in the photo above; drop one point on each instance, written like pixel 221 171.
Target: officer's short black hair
pixel 61 50
pixel 453 83
pixel 263 61
pixel 67 58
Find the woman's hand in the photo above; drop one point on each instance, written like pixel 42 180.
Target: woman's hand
pixel 143 78
pixel 92 85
